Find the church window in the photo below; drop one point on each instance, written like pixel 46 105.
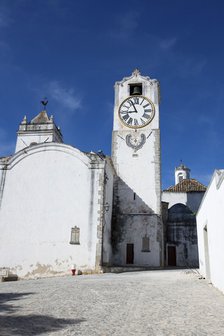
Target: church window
pixel 75 235
pixel 134 196
pixel 145 244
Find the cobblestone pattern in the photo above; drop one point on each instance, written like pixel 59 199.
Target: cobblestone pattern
pixel 155 303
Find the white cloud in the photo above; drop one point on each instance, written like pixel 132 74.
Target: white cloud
pixel 66 97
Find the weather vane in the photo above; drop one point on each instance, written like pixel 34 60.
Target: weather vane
pixel 44 102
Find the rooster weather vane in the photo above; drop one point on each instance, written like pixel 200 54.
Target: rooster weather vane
pixel 44 102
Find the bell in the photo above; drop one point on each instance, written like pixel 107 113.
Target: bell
pixel 137 90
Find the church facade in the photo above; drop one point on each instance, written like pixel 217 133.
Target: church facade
pixel 52 206
pixel 61 208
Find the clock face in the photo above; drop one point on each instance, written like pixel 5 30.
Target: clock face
pixel 136 111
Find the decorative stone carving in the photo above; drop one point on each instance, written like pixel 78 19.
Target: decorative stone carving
pixel 135 141
pixel 136 72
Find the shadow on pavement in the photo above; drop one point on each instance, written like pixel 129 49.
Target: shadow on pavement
pixel 26 325
pixel 5 297
pixel 33 324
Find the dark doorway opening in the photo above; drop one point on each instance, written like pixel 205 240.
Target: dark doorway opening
pixel 130 254
pixel 172 256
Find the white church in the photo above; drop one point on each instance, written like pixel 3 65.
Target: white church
pixel 61 207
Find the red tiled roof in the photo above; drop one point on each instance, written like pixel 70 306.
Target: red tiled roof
pixel 187 185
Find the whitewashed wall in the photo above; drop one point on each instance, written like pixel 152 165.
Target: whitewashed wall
pixel 49 189
pixel 37 133
pixel 191 199
pixel 210 227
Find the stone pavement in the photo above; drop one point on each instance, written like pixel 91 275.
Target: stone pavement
pixel 155 303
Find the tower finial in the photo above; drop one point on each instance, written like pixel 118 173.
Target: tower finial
pixel 44 102
pixel 136 72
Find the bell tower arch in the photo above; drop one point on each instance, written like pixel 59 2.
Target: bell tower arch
pixel 181 173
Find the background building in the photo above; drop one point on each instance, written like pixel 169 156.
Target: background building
pixel 211 231
pixel 181 204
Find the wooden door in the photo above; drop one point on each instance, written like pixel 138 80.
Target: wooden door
pixel 172 256
pixel 130 254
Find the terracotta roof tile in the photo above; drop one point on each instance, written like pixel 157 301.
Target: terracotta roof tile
pixel 187 185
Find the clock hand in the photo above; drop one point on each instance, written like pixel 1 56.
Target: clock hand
pixel 133 106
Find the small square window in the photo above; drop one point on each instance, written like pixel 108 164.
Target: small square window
pixel 75 235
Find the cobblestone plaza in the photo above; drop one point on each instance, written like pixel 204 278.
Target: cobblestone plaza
pixel 155 303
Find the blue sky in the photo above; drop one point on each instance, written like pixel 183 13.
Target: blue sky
pixel 73 51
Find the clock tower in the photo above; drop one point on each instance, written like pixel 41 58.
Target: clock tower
pixel 137 228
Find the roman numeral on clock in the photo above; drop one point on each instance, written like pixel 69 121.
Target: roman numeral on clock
pixel 129 122
pixel 136 100
pixel 135 122
pixel 125 117
pixel 146 116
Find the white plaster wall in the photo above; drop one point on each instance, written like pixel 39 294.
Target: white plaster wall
pixel 141 170
pixel 37 133
pixel 48 190
pixel 1 172
pixel 210 214
pixel 191 199
pixel 174 197
pixel 26 139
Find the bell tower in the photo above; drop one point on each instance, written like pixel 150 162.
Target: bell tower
pixel 137 228
pixel 181 173
pixel 39 130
